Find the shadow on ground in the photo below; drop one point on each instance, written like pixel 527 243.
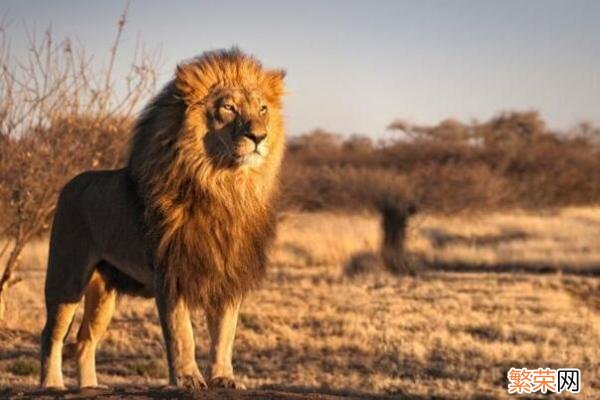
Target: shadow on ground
pixel 143 393
pixel 369 262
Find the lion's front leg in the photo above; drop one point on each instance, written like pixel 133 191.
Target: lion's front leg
pixel 179 340
pixel 222 325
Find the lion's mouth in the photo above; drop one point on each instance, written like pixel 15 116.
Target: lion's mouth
pixel 252 159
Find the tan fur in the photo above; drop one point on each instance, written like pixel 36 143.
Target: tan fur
pixel 187 221
pixel 100 301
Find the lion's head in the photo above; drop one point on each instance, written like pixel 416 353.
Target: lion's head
pixel 219 121
pixel 205 157
pixel 234 106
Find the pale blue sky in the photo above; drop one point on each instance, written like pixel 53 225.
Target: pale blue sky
pixel 353 66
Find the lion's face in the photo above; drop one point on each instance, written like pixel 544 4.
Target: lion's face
pixel 233 115
pixel 238 122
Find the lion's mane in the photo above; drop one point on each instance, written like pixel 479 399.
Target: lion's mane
pixel 209 227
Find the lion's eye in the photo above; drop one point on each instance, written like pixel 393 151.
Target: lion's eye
pixel 228 107
pixel 263 109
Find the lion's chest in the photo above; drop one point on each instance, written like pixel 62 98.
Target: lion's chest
pixel 217 255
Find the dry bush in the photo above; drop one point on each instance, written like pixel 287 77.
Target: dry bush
pixel 59 115
pixel 511 160
pixel 342 188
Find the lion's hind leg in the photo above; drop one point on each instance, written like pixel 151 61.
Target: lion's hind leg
pixel 59 318
pixel 100 300
pixel 71 262
pixel 61 303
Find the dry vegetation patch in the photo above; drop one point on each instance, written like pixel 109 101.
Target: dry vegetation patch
pixel 313 329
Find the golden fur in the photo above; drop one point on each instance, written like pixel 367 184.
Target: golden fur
pixel 187 221
pixel 211 223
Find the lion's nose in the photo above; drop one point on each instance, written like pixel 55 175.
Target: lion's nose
pixel 256 137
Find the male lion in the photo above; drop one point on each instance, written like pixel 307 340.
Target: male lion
pixel 187 220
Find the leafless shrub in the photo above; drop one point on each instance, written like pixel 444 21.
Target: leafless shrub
pixel 58 116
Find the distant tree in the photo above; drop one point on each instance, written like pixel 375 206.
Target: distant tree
pixel 449 130
pixel 358 144
pixel 586 131
pixel 315 140
pixel 395 216
pixel 512 128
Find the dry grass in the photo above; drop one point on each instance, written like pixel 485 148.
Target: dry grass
pixel 310 327
pixel 568 237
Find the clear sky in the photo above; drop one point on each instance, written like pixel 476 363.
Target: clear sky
pixel 353 66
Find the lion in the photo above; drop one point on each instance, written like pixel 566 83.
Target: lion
pixel 187 221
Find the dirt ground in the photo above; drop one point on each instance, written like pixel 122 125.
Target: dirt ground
pixel 312 328
pixel 144 393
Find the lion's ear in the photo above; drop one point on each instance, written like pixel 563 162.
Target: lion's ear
pixel 274 85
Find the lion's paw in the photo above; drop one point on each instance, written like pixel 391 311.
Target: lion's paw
pixel 93 391
pixel 224 382
pixel 95 387
pixel 191 382
pixel 54 388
